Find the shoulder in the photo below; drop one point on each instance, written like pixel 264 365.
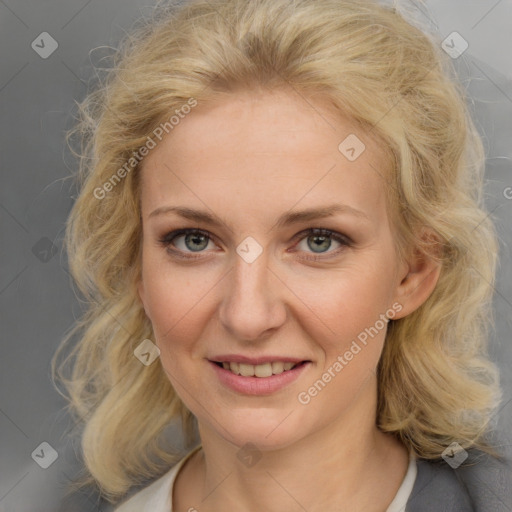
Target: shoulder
pixel 151 497
pixel 157 496
pixel 481 483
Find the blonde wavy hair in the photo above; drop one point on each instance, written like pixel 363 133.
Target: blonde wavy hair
pixel 436 383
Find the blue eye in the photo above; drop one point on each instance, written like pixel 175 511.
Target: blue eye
pixel 193 240
pixel 319 240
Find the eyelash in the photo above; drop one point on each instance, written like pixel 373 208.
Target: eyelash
pixel 345 241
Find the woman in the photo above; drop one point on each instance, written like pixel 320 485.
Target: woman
pixel 281 235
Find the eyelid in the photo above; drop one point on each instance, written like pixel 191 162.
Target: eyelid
pixel 171 235
pixel 336 235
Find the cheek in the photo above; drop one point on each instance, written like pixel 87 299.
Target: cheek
pixel 350 337
pixel 174 298
pixel 346 302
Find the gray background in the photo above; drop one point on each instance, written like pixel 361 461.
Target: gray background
pixel 37 303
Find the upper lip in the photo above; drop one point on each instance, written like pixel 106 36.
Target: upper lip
pixel 238 358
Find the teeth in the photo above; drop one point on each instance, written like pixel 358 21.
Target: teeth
pixel 263 370
pixel 258 370
pixel 277 368
pixel 246 370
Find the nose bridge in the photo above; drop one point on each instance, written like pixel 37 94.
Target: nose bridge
pixel 250 305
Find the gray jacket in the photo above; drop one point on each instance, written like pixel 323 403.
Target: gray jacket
pixel 481 484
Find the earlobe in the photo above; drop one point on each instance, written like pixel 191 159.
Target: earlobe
pixel 419 280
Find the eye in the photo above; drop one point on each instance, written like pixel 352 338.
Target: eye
pixel 193 241
pixel 183 243
pixel 319 241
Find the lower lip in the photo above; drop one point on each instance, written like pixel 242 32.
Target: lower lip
pixel 258 385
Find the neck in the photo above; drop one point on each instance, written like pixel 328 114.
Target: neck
pixel 347 465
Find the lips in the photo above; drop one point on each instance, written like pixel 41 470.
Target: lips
pixel 251 383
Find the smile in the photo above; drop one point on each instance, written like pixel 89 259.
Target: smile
pixel 258 379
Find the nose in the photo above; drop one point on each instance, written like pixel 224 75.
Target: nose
pixel 252 305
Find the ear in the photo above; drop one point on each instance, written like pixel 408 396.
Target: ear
pixel 418 275
pixel 142 293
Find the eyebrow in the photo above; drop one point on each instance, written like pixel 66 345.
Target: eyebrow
pixel 286 219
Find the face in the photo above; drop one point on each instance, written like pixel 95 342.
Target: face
pixel 257 283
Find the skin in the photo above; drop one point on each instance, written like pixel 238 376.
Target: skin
pixel 248 159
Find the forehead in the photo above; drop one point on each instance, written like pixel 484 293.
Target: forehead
pixel 259 153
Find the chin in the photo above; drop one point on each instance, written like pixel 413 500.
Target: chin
pixel 264 429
